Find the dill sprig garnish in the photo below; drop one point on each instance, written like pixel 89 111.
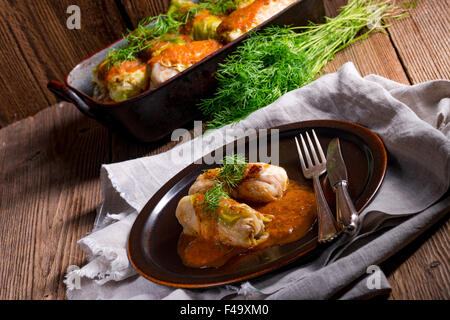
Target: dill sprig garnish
pixel 229 176
pixel 277 60
pixel 148 29
pixel 213 197
pixel 232 171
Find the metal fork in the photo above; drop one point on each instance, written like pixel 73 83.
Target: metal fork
pixel 327 223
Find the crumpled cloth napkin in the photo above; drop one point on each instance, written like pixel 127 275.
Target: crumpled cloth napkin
pixel 412 121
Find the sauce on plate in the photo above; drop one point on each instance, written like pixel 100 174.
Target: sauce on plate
pixel 293 215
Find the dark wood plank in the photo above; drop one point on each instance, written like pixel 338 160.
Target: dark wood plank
pixel 373 55
pixel 422 40
pixel 140 9
pixel 422 269
pixel 36 46
pixel 49 189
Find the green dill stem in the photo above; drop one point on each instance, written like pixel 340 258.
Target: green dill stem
pixel 213 197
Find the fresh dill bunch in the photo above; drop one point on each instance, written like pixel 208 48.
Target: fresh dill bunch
pixel 277 60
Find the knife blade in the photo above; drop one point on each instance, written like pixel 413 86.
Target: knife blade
pixel 336 169
pixel 346 214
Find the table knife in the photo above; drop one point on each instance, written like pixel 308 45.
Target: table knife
pixel 346 214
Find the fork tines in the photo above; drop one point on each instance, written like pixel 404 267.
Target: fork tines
pixel 313 151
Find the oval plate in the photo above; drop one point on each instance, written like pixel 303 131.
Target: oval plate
pixel 152 244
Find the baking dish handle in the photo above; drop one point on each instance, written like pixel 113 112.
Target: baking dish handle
pixel 65 93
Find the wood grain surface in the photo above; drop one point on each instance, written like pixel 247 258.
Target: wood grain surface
pixel 36 46
pixel 374 55
pixel 49 176
pixel 423 42
pixel 136 10
pixel 49 189
pixel 422 269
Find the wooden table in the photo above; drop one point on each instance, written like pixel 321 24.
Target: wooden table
pixel 49 172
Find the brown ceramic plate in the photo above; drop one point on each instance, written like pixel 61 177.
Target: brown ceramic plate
pixel 152 245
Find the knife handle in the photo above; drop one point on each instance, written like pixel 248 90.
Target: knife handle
pixel 346 214
pixel 327 223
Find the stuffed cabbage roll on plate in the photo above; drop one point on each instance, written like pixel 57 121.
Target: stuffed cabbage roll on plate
pixel 233 223
pixel 261 183
pixel 262 210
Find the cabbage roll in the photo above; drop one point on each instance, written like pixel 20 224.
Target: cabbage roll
pixel 204 26
pixel 156 46
pixel 248 17
pixel 180 6
pixel 200 27
pixel 178 58
pixel 121 81
pixel 235 224
pixel 261 183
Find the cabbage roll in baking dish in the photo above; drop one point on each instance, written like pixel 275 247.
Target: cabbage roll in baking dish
pixel 120 82
pixel 179 57
pixel 235 224
pixel 261 183
pixel 201 26
pixel 248 17
pixel 166 59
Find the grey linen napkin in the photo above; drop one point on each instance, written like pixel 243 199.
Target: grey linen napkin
pixel 413 122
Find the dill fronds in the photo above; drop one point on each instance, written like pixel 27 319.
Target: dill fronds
pixel 230 175
pixel 148 29
pixel 233 170
pixel 277 60
pixel 213 197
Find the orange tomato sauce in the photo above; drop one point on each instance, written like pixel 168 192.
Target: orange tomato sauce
pixel 159 45
pixel 243 19
pixel 107 74
pixel 293 216
pixel 186 54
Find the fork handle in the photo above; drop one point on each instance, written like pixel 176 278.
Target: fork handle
pixel 346 213
pixel 327 223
